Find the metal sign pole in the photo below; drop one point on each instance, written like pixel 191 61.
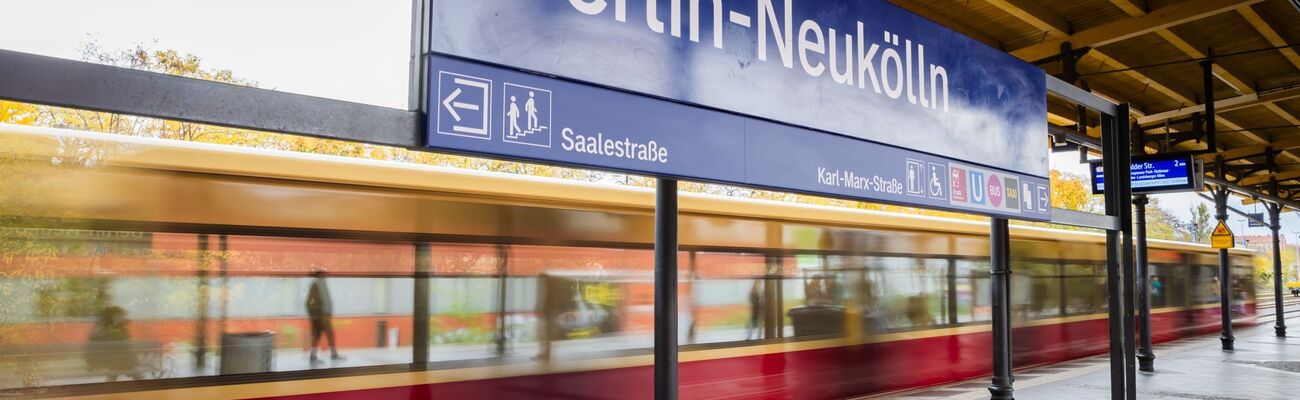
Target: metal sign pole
pixel 1146 359
pixel 1225 270
pixel 1000 273
pixel 1125 193
pixel 1274 218
pixel 665 368
pixel 1114 164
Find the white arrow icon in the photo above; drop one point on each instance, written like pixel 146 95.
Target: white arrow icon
pixel 475 125
pixel 451 104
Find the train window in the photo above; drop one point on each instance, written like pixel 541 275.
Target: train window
pixel 1243 290
pixel 1085 288
pixel 726 297
pixel 973 291
pixel 587 301
pixel 1204 284
pixel 97 306
pixel 1036 290
pixel 1167 285
pixel 908 293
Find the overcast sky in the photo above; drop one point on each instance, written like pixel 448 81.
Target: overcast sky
pixel 345 49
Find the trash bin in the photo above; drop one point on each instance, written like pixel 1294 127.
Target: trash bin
pixel 381 333
pixel 817 320
pixel 247 353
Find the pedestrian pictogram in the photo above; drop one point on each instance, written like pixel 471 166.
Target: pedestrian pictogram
pixel 1222 237
pixel 527 118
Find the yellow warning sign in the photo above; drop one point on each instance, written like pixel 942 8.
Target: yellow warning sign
pixel 1222 237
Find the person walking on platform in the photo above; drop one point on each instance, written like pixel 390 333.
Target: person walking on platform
pixel 1157 291
pixel 754 329
pixel 109 350
pixel 320 309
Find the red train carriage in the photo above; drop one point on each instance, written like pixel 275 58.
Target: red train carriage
pixel 183 270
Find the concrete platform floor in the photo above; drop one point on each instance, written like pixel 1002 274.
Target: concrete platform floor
pixel 1263 366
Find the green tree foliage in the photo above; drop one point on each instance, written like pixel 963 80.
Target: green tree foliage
pixel 1071 192
pixel 1201 225
pixel 1161 224
pixel 1263 267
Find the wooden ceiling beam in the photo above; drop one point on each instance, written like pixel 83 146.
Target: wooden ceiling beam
pixel 1264 178
pixel 947 22
pixel 1153 84
pixel 1256 150
pixel 1229 104
pixel 1032 13
pixel 1282 113
pixel 1132 27
pixel 1232 80
pixel 1240 86
pixel 1132 8
pixel 1248 95
pixel 1268 32
pixel 1137 75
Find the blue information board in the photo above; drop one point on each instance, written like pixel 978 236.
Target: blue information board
pixel 488 110
pixel 860 68
pixel 1155 174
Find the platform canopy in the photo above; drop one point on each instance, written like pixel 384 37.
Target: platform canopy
pixel 1148 53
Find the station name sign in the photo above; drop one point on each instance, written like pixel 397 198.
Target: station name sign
pixel 495 111
pixel 849 57
pixel 1157 174
pixel 849 98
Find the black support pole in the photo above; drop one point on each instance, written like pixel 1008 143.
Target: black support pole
pixel 952 289
pixel 420 327
pixel 201 325
pixel 1274 221
pixel 1146 359
pixel 503 286
pixel 1125 193
pixel 1000 274
pixel 1225 270
pixel 666 290
pixel 1115 163
pixel 1207 79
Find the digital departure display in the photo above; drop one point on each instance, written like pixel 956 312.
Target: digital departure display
pixel 1155 174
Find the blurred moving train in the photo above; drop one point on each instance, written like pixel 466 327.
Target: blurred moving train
pixel 131 264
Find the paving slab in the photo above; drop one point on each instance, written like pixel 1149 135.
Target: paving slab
pixel 1262 366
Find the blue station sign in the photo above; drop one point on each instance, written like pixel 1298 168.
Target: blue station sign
pixel 489 110
pixel 848 98
pixel 859 68
pixel 1156 174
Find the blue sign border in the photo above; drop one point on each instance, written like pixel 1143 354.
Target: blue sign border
pixel 781 60
pixel 474 110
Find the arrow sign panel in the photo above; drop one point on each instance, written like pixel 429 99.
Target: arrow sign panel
pixel 465 105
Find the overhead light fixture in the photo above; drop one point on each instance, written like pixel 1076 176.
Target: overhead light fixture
pixel 1296 4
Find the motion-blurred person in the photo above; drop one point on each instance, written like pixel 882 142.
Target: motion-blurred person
pixel 109 351
pixel 320 309
pixel 754 330
pixel 1157 291
pixel 918 311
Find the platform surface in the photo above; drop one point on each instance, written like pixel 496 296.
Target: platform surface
pixel 1262 366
